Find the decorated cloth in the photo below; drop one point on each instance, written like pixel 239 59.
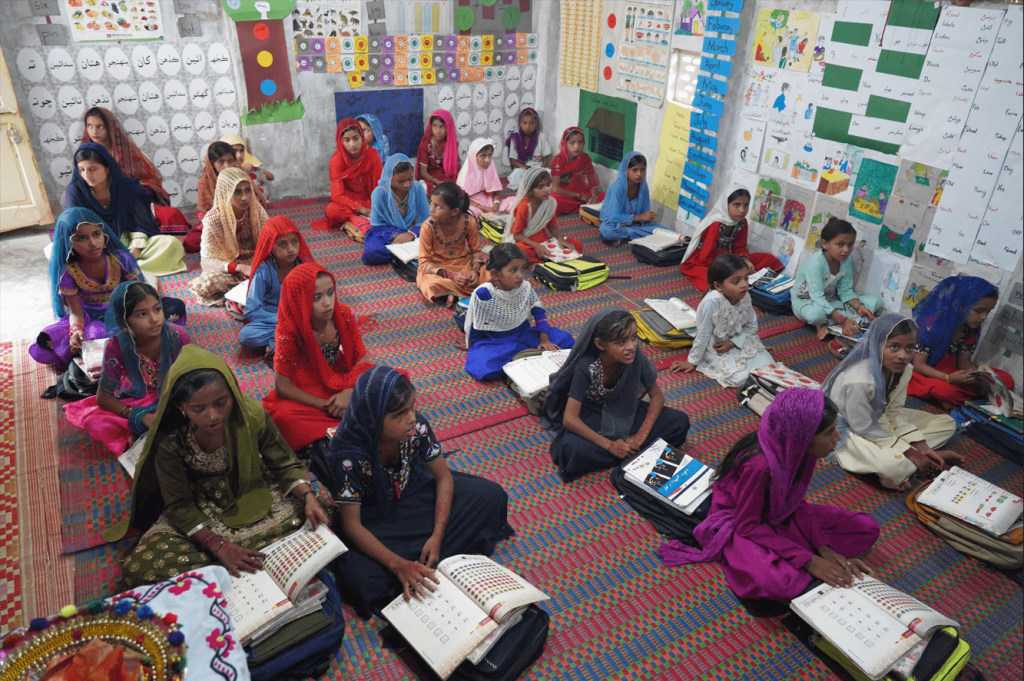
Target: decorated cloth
pixel 459 252
pixel 539 219
pixel 319 371
pixel 718 321
pixel 445 167
pixel 498 328
pixel 618 210
pixel 352 179
pixel 943 312
pixel 480 184
pixel 574 174
pixel 398 506
pixel 240 491
pixel 760 526
pixel 387 219
pixel 129 158
pixel 380 140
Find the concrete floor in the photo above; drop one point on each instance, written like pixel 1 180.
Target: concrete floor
pixel 24 283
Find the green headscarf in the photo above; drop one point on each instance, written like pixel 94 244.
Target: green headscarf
pixel 252 500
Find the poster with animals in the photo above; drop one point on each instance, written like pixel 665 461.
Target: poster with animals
pixel 872 190
pixel 94 20
pixel 767 204
pixel 327 19
pixel 784 39
pixel 910 210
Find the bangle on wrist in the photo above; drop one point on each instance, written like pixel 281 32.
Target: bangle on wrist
pixel 947 378
pixel 208 540
pixel 126 411
pixel 219 546
pixel 232 266
pixel 308 491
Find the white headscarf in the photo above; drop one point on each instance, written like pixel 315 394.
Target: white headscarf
pixel 720 213
pixel 541 217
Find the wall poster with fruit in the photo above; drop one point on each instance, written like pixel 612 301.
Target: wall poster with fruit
pixel 93 20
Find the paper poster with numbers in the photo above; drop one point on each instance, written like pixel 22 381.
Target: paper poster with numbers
pixel 872 623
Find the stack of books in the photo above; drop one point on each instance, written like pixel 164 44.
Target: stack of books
pixel 675 478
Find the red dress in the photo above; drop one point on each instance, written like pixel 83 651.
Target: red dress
pixel 577 175
pixel 521 217
pixel 713 244
pixel 937 389
pixel 435 164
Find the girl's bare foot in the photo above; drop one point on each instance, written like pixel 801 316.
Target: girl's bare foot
pixel 450 302
pixel 822 331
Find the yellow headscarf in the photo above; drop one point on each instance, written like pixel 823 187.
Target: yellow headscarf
pixel 220 241
pixel 249 160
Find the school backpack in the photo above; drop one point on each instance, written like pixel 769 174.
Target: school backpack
pixel 666 257
pixel 1003 553
pixel 943 658
pixel 764 383
pixel 590 216
pixel 574 275
pixel 1001 434
pixel 513 654
pixel 406 270
pixel 654 330
pixel 669 522
pixel 491 229
pixel 779 304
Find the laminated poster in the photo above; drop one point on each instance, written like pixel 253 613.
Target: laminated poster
pixel 767 205
pixel 888 277
pixel 784 39
pixel 872 190
pixel 643 54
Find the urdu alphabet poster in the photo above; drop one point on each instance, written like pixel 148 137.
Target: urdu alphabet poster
pixel 784 39
pixel 872 190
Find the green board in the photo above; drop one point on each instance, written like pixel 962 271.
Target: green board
pixel 620 110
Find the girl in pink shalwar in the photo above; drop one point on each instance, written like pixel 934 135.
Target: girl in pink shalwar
pixel 770 541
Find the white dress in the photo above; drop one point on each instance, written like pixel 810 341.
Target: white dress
pixel 718 321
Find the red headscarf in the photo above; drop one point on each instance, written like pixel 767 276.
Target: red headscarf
pixel 129 157
pixel 345 164
pixel 451 143
pixel 582 167
pixel 298 354
pixel 274 229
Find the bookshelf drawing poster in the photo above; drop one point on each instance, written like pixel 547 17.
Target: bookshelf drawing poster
pixel 643 54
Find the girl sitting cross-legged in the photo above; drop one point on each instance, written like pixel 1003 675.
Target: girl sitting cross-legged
pixel 533 220
pixel 574 181
pixel 400 206
pixel 355 172
pixel 626 211
pixel 451 262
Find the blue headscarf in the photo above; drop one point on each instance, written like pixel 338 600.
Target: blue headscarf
pixel 116 327
pixel 67 225
pixel 124 195
pixel 385 211
pixel 380 140
pixel 945 309
pixel 616 204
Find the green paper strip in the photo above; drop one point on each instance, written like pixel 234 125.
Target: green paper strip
pixel 852 33
pixel 913 14
pixel 888 109
pixel 276 112
pixel 831 124
pixel 841 77
pixel 905 64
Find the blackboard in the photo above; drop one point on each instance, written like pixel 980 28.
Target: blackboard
pixel 400 112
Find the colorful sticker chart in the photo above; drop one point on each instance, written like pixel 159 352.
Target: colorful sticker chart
pixel 102 20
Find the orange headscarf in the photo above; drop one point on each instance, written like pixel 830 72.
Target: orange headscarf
pixel 274 229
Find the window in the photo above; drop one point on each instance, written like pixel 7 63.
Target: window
pixel 682 77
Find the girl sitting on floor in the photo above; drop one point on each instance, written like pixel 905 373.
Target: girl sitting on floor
pixel 626 212
pixel 574 180
pixel 823 289
pixel 595 400
pixel 280 250
pixel 451 264
pixel 126 206
pixel 87 264
pixel 479 178
pixel 949 319
pixel 230 232
pixel 250 164
pixel 498 320
pixel 437 157
pixel 526 147
pixel 727 346
pixel 318 357
pixel 533 218
pixel 724 230
pixel 218 156
pixel 215 482
pixel 355 172
pixel 373 135
pixel 141 349
pixel 770 541
pixel 870 387
pixel 402 509
pixel 400 206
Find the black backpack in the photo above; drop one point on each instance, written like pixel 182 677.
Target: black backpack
pixel 666 257
pixel 514 652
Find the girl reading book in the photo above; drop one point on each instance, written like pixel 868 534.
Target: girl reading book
pixel 626 211
pixel 498 320
pixel 574 180
pixel 402 509
pixel 216 481
pixel 727 346
pixel 770 541
pixel 595 402
pixel 880 435
pixel 399 207
pixel 532 222
pixel 451 263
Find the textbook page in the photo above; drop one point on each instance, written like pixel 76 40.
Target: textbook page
pixel 532 374
pixel 131 456
pixel 965 496
pixel 255 599
pixel 659 239
pixel 498 591
pixel 406 252
pixel 296 559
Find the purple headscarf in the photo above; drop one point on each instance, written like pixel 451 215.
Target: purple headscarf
pixel 787 427
pixel 524 145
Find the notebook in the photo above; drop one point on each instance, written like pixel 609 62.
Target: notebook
pixel 674 311
pixel 965 496
pixel 671 476
pixel 532 374
pixel 406 252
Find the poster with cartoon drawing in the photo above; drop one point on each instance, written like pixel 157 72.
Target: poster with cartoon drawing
pixel 775 157
pixel 756 88
pixel 788 248
pixel 784 39
pixel 863 252
pixel 797 209
pixel 923 280
pixel 767 202
pixel 825 208
pixel 872 190
pixel 888 277
pixel 910 212
pixel 748 152
pixel 838 169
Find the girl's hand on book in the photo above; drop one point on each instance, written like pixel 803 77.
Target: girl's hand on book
pixel 863 310
pixel 681 365
pixel 620 449
pixel 851 328
pixel 415 579
pixel 431 552
pixel 547 346
pixel 961 377
pixel 236 558
pixel 315 513
pixel 830 572
pixel 404 238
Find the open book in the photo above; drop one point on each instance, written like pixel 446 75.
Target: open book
pixel 681 316
pixel 659 239
pixel 872 623
pixel 474 598
pixel 406 252
pixel 267 595
pixel 671 476
pixel 556 253
pixel 238 293
pixel 532 374
pixel 965 496
pixel 1000 399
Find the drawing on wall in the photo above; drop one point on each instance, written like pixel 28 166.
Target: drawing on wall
pixel 825 208
pixel 692 16
pixel 767 204
pixel 888 277
pixel 748 154
pixel 789 250
pixel 841 163
pixel 796 209
pixel 757 84
pixel 910 210
pixel 124 20
pixel 872 190
pixel 863 252
pixel 784 39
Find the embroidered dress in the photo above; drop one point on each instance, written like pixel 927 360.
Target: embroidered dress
pixel 458 252
pixel 398 505
pixel 498 328
pixel 718 321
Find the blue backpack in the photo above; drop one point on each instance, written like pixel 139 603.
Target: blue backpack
pixel 1002 435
